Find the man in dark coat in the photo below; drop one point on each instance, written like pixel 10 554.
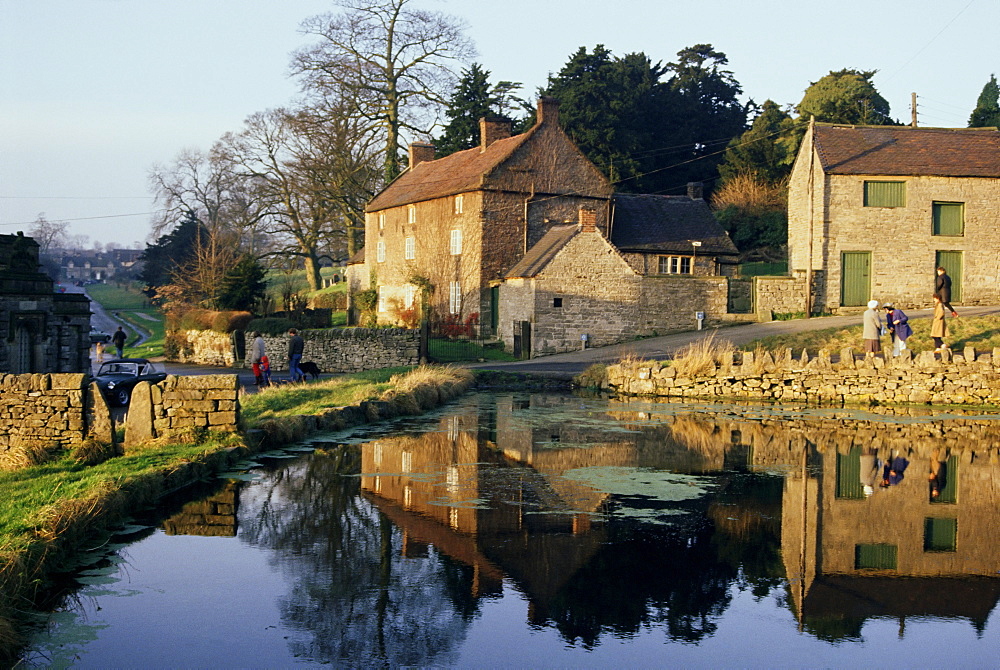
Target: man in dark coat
pixel 942 289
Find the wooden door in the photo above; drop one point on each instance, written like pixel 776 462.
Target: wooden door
pixel 951 261
pixel 856 278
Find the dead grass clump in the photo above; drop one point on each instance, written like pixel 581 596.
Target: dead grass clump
pixel 92 452
pixel 437 375
pixel 21 455
pixel 699 357
pixel 594 377
pixel 405 402
pixel 69 521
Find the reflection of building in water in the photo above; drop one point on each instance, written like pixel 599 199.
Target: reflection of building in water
pixel 214 516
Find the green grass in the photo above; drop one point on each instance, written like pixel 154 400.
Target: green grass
pixel 981 332
pixel 118 297
pixel 128 303
pixel 296 399
pixel 455 351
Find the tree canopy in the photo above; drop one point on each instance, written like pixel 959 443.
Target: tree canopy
pixel 846 96
pixel 762 150
pixel 987 111
pixel 475 98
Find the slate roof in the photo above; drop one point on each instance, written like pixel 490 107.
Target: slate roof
pixel 544 250
pixel 904 151
pixel 459 172
pixel 666 224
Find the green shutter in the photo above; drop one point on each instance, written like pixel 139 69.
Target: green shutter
pixel 940 534
pixel 855 281
pixel 885 194
pixel 875 556
pixel 951 261
pixel 949 492
pixel 849 475
pixel 949 218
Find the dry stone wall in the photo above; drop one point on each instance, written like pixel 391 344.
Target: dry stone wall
pixel 346 349
pixel 46 410
pixel 969 378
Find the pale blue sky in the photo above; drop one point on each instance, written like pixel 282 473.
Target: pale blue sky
pixel 94 92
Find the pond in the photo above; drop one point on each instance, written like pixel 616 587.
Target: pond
pixel 541 530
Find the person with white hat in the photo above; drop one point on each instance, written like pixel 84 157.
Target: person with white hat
pixel 871 322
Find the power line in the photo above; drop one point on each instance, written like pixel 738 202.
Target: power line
pixel 87 218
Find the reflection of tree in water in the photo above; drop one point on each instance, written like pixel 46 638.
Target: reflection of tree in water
pixel 353 592
pixel 679 576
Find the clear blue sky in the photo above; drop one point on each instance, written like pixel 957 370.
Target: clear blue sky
pixel 94 92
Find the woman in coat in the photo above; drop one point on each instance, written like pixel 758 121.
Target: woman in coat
pixel 939 327
pixel 899 326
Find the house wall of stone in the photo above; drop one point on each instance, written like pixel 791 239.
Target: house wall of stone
pixel 346 349
pixel 671 302
pixel 649 264
pixel 42 409
pixel 806 207
pixel 779 295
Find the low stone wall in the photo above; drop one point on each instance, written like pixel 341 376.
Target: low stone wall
pixel 179 404
pixel 969 378
pixel 779 295
pixel 346 349
pixel 203 347
pixel 46 410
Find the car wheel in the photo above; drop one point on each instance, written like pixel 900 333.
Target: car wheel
pixel 122 396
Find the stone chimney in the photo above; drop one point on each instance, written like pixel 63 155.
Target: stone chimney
pixel 588 220
pixel 420 152
pixel 695 190
pixel 548 110
pixel 491 130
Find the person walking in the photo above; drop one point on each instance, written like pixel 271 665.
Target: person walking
pixel 942 289
pixel 257 354
pixel 871 329
pixel 295 347
pixel 939 328
pixel 899 326
pixel 118 339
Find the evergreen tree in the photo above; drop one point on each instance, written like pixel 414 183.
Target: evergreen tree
pixel 987 111
pixel 847 96
pixel 170 252
pixel 243 286
pixel 761 151
pixel 475 98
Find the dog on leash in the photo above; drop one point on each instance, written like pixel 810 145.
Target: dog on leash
pixel 310 369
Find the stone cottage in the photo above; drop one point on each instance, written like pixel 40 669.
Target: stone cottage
pixel 41 330
pixel 873 210
pixel 459 224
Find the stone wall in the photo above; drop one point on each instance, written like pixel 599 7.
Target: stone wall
pixel 969 378
pixel 779 295
pixel 203 347
pixel 47 410
pixel 346 349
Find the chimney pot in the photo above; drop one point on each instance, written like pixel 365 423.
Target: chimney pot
pixel 588 220
pixel 695 190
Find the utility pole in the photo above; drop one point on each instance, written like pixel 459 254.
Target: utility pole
pixel 913 107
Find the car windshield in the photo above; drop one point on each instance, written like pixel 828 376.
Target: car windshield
pixel 119 369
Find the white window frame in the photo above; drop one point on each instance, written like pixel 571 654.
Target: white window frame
pixel 675 265
pixel 455 245
pixel 411 214
pixel 409 295
pixel 459 204
pixel 455 298
pixel 381 220
pixel 382 303
pixel 380 251
pixel 410 250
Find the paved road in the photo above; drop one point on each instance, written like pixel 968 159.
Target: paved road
pixel 565 366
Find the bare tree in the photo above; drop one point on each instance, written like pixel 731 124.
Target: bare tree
pixel 393 61
pixel 48 234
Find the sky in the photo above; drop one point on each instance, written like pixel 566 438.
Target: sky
pixel 94 93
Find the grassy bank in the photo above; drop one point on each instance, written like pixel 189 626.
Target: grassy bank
pixel 130 305
pixel 51 511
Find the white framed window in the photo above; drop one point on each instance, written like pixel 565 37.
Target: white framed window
pixel 456 242
pixel 455 298
pixel 409 295
pixel 411 249
pixel 459 204
pixel 411 214
pixel 675 265
pixel 380 251
pixel 382 307
pixel 381 220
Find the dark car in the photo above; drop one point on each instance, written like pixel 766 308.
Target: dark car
pixel 99 336
pixel 117 378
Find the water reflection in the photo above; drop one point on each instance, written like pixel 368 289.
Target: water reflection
pixel 621 521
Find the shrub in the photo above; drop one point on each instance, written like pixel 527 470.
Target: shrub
pixel 331 300
pixel 196 319
pixel 227 322
pixel 270 325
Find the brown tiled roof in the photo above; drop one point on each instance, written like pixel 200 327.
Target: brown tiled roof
pixel 904 151
pixel 358 257
pixel 667 224
pixel 544 250
pixel 457 173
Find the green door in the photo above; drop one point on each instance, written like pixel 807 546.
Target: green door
pixel 855 283
pixel 951 261
pixel 849 475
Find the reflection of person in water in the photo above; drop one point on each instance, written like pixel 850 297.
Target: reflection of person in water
pixel 937 476
pixel 871 469
pixel 893 471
